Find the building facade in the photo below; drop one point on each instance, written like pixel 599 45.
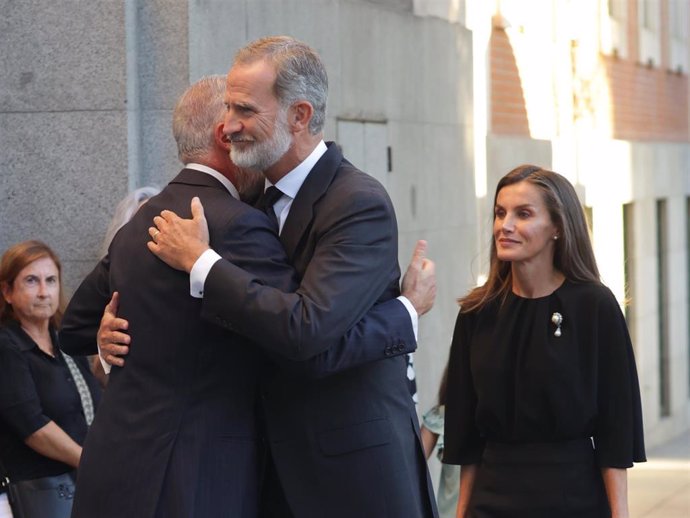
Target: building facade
pixel 598 91
pixel 435 98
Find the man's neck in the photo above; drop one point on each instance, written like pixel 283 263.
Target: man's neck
pixel 221 163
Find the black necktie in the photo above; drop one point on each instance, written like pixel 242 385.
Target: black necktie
pixel 267 201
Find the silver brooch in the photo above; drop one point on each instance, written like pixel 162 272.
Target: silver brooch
pixel 557 320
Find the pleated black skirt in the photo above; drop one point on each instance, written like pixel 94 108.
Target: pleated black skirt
pixel 545 480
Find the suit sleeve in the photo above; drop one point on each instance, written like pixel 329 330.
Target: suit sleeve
pixel 350 268
pixel 82 318
pixel 249 243
pixel 384 331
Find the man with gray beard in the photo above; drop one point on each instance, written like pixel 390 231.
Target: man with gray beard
pixel 177 434
pixel 345 445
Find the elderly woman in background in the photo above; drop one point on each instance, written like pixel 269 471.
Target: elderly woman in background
pixel 47 399
pixel 124 211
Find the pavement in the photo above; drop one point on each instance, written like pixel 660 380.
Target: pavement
pixel 660 487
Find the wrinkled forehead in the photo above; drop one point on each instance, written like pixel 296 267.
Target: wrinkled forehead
pixel 251 80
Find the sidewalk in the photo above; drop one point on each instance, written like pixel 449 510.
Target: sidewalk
pixel 660 487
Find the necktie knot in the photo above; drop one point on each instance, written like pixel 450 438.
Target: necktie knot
pixel 267 201
pixel 269 198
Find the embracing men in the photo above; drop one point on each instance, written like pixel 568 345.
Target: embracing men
pixel 340 425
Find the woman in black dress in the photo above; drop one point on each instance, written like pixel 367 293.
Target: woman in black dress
pixel 47 399
pixel 543 405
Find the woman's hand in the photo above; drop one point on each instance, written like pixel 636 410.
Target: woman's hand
pixel 468 473
pixel 616 483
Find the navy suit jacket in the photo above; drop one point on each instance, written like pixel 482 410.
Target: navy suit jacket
pixel 347 444
pixel 176 432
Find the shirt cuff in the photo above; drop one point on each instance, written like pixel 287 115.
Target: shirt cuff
pixel 199 272
pixel 106 366
pixel 413 314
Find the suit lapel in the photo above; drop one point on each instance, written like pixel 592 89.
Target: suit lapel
pixel 313 188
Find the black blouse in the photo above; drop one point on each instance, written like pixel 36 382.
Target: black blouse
pixel 512 380
pixel 36 388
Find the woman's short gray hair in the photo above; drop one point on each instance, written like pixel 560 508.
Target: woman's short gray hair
pixel 124 211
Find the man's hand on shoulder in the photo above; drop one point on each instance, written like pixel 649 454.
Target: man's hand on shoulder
pixel 113 342
pixel 419 282
pixel 180 242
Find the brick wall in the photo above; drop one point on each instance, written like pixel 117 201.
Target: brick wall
pixel 508 112
pixel 647 103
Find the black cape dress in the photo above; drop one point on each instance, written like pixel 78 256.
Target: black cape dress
pixel 541 412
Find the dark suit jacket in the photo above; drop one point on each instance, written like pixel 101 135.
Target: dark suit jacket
pixel 345 445
pixel 175 434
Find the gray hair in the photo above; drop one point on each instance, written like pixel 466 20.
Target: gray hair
pixel 300 73
pixel 124 212
pixel 195 116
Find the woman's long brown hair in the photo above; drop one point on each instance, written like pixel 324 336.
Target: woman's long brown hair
pixel 573 257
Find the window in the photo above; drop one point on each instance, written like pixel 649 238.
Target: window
pixel 648 23
pixel 678 35
pixel 647 9
pixel 617 9
pixel 614 34
pixel 687 276
pixel 663 303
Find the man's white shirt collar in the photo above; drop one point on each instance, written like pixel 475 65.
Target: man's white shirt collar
pixel 222 179
pixel 291 183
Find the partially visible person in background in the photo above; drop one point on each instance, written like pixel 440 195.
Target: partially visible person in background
pixel 543 409
pixel 432 437
pixel 47 399
pixel 412 378
pixel 124 212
